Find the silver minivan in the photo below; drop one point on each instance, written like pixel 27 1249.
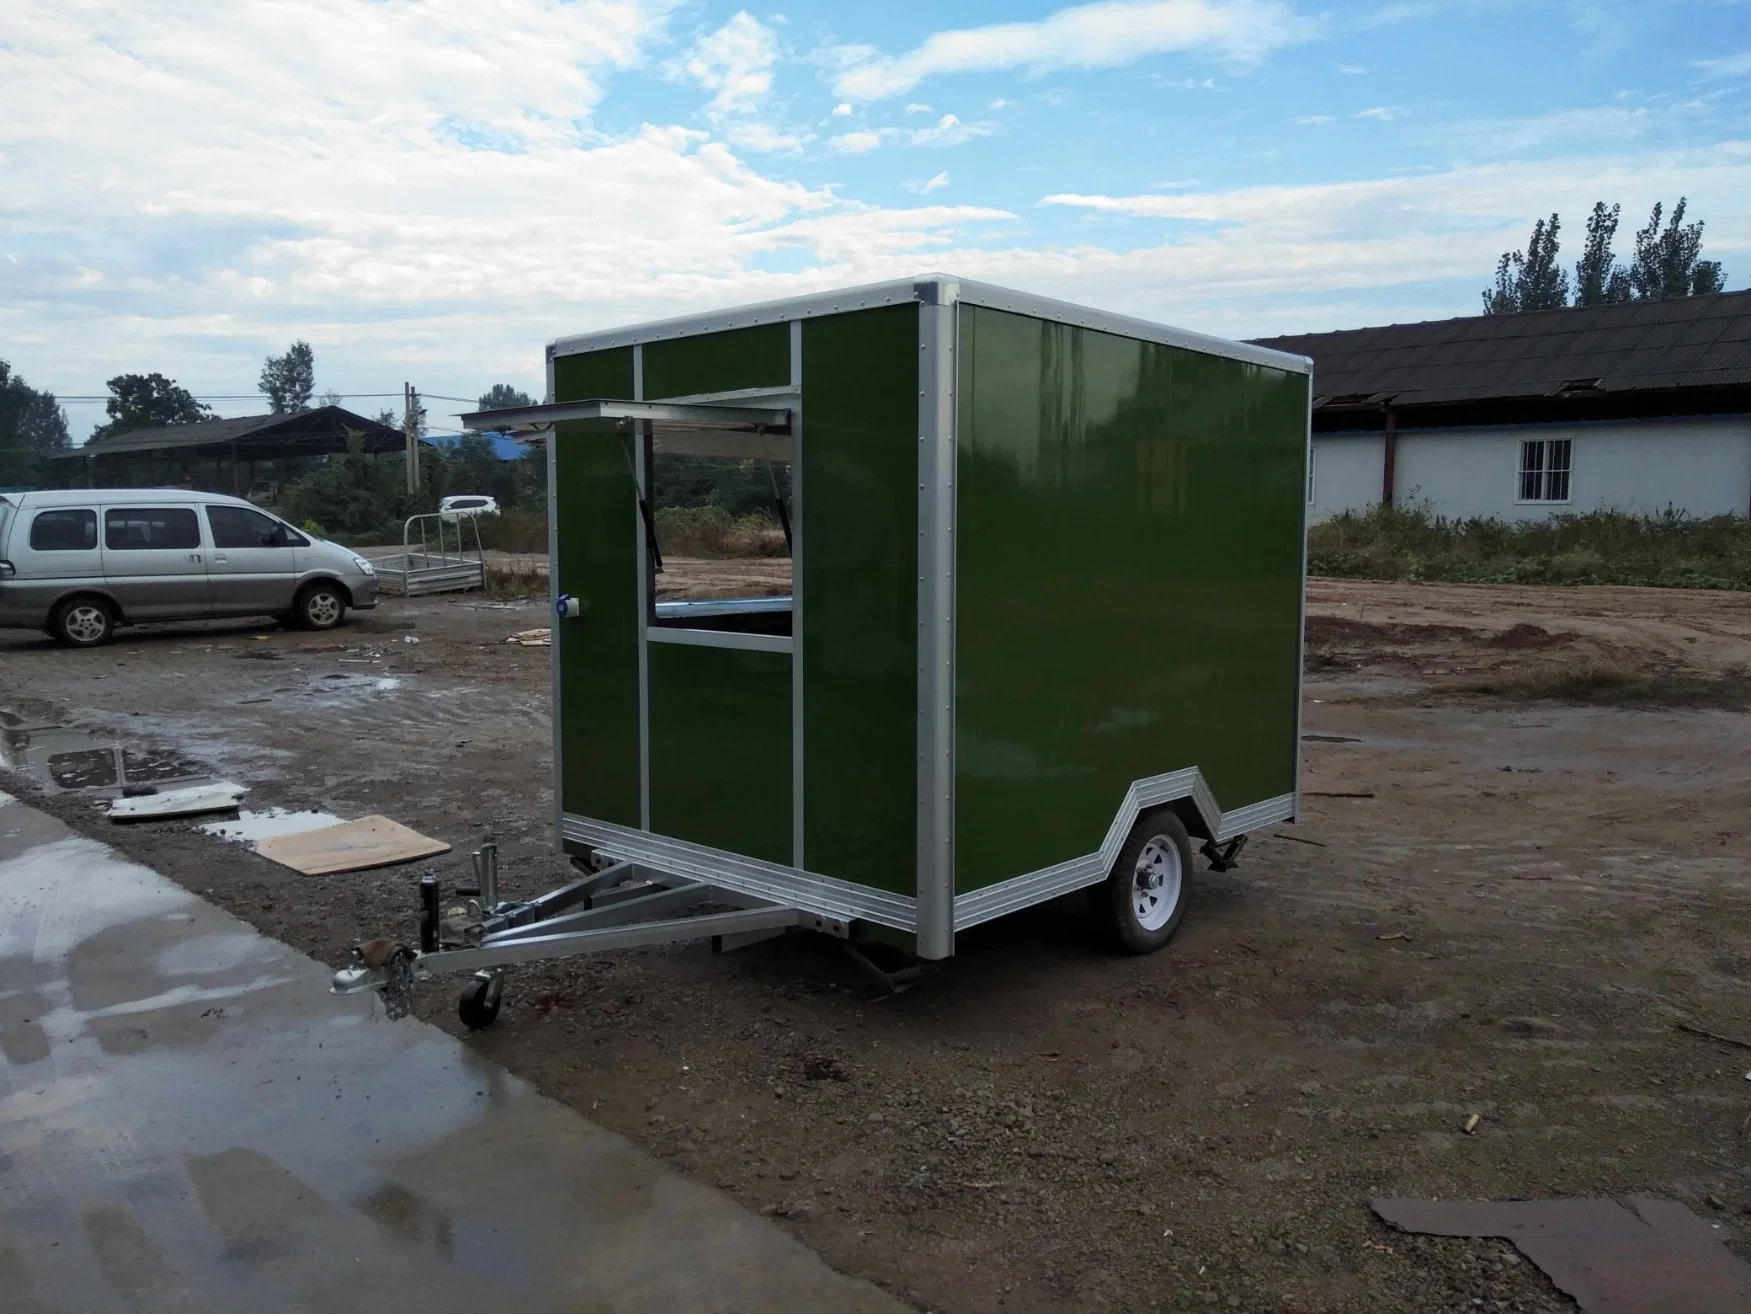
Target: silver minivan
pixel 77 563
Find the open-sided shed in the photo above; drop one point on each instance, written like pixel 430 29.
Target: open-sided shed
pixel 157 455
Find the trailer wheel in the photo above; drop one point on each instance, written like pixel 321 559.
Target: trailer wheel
pixel 1141 903
pixel 479 1005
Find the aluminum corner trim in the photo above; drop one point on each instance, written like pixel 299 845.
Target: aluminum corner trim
pixel 1049 882
pixel 553 594
pixel 936 620
pixel 825 896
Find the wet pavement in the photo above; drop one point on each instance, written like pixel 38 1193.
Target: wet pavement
pixel 189 1122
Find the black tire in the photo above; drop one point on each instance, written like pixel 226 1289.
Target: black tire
pixel 479 1005
pixel 83 622
pixel 320 606
pixel 1135 915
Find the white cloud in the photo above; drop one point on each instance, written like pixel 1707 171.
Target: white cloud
pixel 842 110
pixel 1728 66
pixel 419 189
pixel 1314 118
pixel 1351 70
pixel 950 131
pixel 998 103
pixel 917 108
pixel 860 142
pixel 753 135
pixel 735 64
pixel 1385 113
pixel 1605 124
pixel 1105 34
pixel 933 184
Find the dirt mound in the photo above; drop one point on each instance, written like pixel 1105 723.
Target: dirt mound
pixel 1339 631
pixel 1524 636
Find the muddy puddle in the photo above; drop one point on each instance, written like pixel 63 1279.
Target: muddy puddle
pixel 248 827
pixel 62 759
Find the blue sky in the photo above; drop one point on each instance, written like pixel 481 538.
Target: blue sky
pixel 430 189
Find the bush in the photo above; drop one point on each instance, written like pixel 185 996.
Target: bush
pixel 516 529
pixel 1671 550
pixel 710 531
pixel 314 529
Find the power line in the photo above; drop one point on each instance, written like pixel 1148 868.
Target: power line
pixel 230 396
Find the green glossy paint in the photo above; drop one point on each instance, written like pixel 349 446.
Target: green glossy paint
pixel 720 748
pixel 860 596
pixel 598 561
pixel 1130 522
pixel 718 362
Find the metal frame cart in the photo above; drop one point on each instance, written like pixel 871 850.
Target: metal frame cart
pixel 1043 632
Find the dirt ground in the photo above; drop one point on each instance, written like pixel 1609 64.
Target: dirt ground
pixel 1493 904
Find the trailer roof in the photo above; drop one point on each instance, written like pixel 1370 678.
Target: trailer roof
pixel 929 289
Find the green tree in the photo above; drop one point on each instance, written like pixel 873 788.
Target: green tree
pixel 502 396
pixel 149 401
pixel 1668 262
pixel 33 427
pixel 330 398
pixel 289 380
pixel 1599 279
pixel 1530 279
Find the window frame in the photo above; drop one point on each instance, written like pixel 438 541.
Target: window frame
pixel 37 518
pixel 1544 473
pixel 193 514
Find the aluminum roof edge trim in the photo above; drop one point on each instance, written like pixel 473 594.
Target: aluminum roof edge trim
pixel 1126 326
pixel 868 297
pixel 931 289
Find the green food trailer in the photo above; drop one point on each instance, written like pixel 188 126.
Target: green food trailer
pixel 1040 629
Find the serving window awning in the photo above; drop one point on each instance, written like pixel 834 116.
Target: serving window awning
pixel 683 428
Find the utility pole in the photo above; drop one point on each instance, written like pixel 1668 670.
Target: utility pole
pixel 411 427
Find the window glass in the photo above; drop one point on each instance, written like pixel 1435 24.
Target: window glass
pixel 238 527
pixel 63 531
pixel 722 540
pixel 127 529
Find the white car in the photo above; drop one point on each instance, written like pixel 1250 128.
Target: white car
pixel 455 508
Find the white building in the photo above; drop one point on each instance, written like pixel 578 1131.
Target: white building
pixel 1639 407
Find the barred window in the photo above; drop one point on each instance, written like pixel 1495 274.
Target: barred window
pixel 1544 470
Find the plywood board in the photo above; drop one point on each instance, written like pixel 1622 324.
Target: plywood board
pixel 350 846
pixel 189 801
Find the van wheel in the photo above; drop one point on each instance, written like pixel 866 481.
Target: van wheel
pixel 83 622
pixel 319 607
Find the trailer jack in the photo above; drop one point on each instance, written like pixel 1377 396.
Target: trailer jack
pixel 1224 857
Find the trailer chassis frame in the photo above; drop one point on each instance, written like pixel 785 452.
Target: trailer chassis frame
pixel 624 905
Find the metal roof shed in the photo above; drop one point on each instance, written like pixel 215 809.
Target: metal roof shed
pixel 322 431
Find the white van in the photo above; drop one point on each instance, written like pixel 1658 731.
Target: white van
pixel 80 562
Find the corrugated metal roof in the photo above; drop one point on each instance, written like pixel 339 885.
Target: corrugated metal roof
pixel 1635 346
pixel 323 424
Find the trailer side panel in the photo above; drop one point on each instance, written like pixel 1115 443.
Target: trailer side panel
pixel 1128 585
pixel 859 570
pixel 597 538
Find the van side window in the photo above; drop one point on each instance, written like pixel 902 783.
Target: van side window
pixel 128 529
pixel 237 527
pixel 63 531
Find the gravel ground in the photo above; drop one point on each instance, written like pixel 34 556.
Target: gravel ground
pixel 1488 906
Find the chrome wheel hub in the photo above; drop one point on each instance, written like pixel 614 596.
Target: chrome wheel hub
pixel 1156 883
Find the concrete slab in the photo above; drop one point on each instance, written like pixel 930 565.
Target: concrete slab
pixel 190 1122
